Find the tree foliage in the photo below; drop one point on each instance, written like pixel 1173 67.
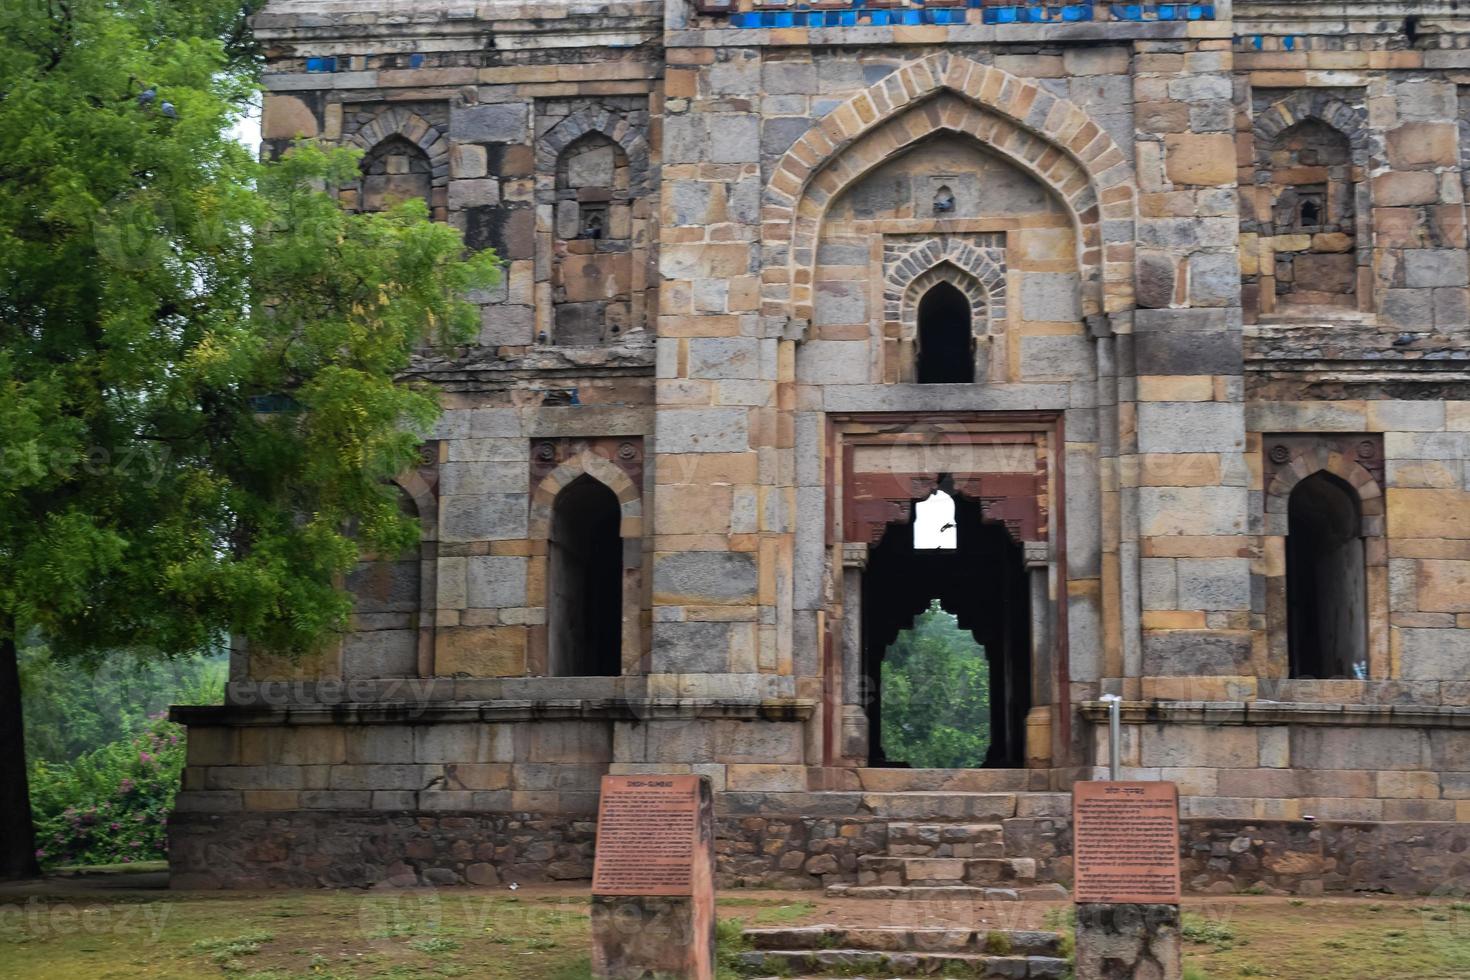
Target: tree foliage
pixel 159 289
pixel 74 708
pixel 936 695
pixel 198 352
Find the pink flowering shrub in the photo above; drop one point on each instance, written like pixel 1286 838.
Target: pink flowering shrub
pixel 110 805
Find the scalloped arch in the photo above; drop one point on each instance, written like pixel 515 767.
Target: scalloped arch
pixel 1051 138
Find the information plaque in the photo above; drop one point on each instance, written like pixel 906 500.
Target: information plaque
pixel 1125 840
pixel 647 832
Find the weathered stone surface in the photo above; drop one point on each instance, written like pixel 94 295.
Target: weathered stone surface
pixel 501 123
pixel 705 577
pixel 1129 942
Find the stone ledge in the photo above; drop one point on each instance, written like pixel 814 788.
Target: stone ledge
pixel 571 709
pixel 1280 713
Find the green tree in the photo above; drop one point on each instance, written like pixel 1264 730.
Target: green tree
pixel 72 708
pixel 936 695
pixel 199 354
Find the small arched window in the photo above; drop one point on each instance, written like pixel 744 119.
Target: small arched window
pixel 585 588
pixel 395 170
pixel 1326 580
pixel 945 354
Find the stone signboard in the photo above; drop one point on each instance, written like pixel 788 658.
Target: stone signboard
pixel 653 895
pixel 1125 842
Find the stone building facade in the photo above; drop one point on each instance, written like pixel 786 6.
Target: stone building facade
pixel 1171 301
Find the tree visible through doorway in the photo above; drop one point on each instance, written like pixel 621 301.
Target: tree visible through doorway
pixel 936 695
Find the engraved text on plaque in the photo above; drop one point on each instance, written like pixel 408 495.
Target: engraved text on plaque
pixel 1126 842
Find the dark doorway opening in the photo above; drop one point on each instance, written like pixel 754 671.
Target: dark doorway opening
pixel 585 588
pixel 1326 580
pixel 945 355
pixel 981 581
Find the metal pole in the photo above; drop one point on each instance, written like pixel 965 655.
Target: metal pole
pixel 1115 734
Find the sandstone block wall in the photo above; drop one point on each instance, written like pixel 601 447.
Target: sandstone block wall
pixel 1204 262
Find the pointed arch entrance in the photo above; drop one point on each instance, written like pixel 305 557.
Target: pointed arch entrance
pixel 982 582
pixel 997 574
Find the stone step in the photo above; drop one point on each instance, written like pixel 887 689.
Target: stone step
pixel 935 807
pixel 900 939
pixel 845 962
pixel 918 806
pixel 876 869
pixel 1049 892
pixel 962 840
pixel 900 780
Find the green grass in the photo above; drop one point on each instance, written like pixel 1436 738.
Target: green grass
pixel 1217 934
pixel 449 933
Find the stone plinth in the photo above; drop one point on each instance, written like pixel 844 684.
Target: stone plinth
pixel 1128 942
pixel 653 903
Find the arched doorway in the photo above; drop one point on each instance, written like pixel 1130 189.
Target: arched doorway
pixel 981 581
pixel 585 587
pixel 1326 580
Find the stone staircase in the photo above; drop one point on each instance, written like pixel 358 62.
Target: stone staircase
pixel 928 860
pixel 952 845
pixel 964 835
pixel 903 952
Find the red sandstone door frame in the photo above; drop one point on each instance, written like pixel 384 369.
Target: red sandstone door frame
pixel 906 451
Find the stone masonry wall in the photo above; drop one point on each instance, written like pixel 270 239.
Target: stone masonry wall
pixel 362 849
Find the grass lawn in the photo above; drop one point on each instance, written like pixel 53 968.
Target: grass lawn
pixel 61 931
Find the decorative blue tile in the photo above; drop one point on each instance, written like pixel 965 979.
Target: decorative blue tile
pixel 321 64
pixel 415 61
pixel 1289 43
pixel 881 18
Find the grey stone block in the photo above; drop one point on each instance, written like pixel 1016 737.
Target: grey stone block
pixel 734 137
pixel 484 476
pixel 379 744
pixel 1050 296
pixel 724 357
pixel 778 134
pixel 1192 510
pixel 1190 652
pixel 691 648
pixel 1408 308
pixel 488 517
pixel 1435 654
pixel 1070 357
pixel 789 78
pixel 501 123
pixel 1185 351
pixel 1158 583
pixel 1214 279
pixel 1435 267
pixel 496 581
pixel 689 201
pixel 1190 427
pixel 685 137
pixel 1357 748
pixel 833 362
pixel 840 302
pixel 703 430
pixel 380 653
pixel 504 325
pixel 1214 583
pixel 386 586
pixel 706 576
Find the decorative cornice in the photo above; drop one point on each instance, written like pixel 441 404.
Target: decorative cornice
pixel 1281 713
pixel 428 713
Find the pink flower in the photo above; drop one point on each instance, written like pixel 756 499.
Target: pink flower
pixel 114 826
pixel 144 757
pixel 40 854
